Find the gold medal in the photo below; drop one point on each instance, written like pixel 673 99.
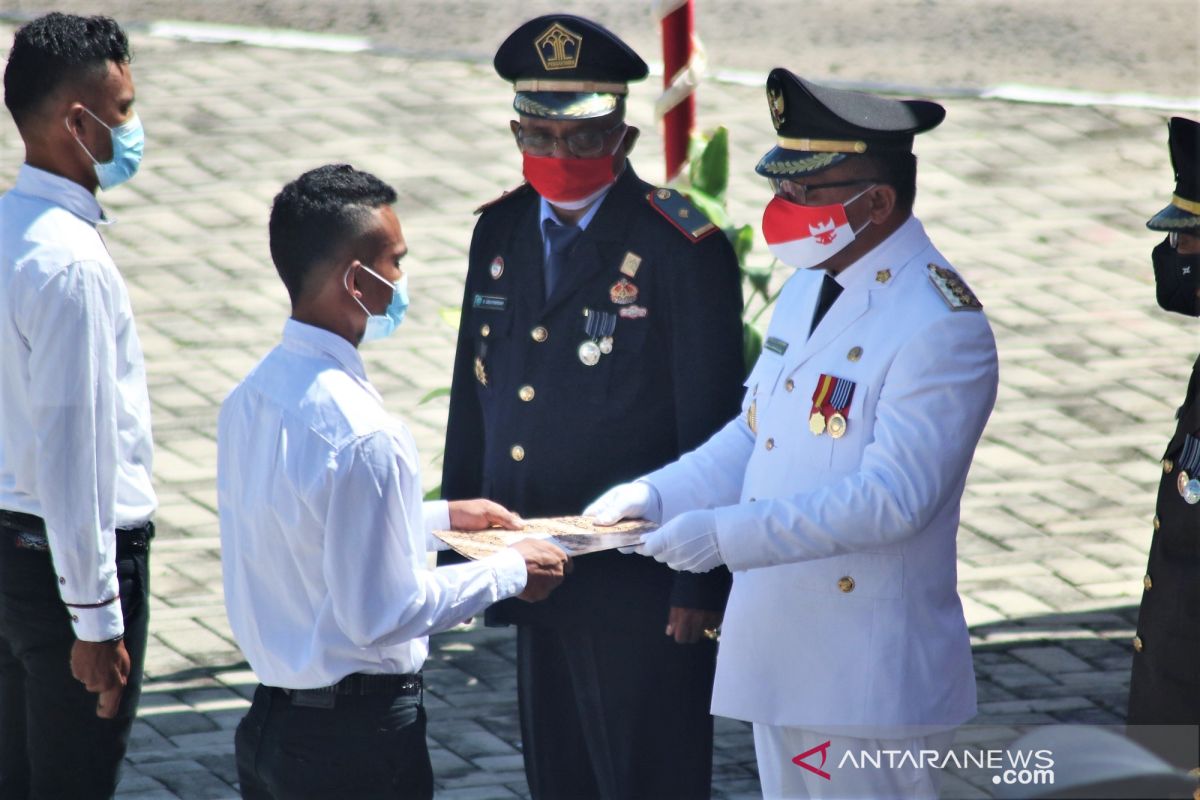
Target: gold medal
pixel 816 423
pixel 589 353
pixel 752 417
pixel 837 425
pixel 480 372
pixel 606 345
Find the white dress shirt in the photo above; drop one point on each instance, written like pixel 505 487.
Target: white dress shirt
pixel 75 442
pixel 323 533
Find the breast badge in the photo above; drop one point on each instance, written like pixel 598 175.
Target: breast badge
pixel 497 268
pixel 831 406
pixel 623 292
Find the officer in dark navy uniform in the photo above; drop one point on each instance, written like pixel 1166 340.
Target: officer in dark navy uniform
pixel 1165 687
pixel 600 339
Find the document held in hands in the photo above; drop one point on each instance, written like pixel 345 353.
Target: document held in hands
pixel 576 535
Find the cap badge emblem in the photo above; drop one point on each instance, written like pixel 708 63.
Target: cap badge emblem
pixel 558 48
pixel 775 102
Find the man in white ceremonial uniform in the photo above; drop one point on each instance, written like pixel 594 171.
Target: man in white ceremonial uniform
pixel 323 533
pixel 834 496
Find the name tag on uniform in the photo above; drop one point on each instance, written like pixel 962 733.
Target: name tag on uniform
pixel 490 302
pixel 776 345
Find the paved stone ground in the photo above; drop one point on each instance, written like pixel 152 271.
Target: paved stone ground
pixel 1041 207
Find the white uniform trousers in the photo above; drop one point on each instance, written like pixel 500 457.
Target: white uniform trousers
pixel 776 748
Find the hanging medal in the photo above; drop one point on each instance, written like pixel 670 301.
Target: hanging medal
pixel 1189 466
pixel 831 406
pixel 599 327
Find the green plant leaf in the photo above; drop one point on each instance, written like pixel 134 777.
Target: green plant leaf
pixel 752 345
pixel 441 391
pixel 709 171
pixel 435 493
pixel 450 315
pixel 742 240
pixel 713 208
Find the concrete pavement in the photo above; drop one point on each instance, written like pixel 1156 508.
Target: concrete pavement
pixel 1040 207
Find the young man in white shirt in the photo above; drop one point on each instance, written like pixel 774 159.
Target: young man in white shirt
pixel 75 444
pixel 323 533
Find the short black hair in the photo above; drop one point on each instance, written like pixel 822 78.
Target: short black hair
pixel 55 49
pixel 318 213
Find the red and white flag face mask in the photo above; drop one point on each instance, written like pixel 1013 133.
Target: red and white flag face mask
pixel 806 236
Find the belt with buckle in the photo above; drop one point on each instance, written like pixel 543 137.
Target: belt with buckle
pixel 358 683
pixel 28 532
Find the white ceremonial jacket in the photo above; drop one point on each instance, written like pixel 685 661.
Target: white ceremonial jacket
pixel 844 612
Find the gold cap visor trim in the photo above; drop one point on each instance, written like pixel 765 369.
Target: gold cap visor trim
pixel 545 85
pixel 1190 206
pixel 823 145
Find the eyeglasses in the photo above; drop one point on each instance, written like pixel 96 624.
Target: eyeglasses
pixel 587 143
pixel 798 192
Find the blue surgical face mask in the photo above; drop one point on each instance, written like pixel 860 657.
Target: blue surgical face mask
pixel 128 141
pixel 381 326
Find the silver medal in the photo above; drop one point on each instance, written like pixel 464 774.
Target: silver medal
pixel 1191 492
pixel 606 345
pixel 589 353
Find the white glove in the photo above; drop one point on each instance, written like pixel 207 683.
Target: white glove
pixel 637 500
pixel 688 543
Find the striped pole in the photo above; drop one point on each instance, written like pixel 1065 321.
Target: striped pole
pixel 683 64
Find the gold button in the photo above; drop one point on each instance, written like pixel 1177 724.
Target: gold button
pixel 485 330
pixel 525 393
pixel 539 334
pixel 1137 644
pixel 770 444
pixel 1168 465
pixel 1147 584
pixel 1157 524
pixel 846 583
pixel 855 353
pixel 518 453
pixel 789 384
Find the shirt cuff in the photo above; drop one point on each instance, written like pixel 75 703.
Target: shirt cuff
pixel 510 572
pixel 436 516
pixel 97 624
pixel 737 551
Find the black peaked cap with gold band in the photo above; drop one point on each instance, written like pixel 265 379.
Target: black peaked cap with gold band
pixel 567 67
pixel 1184 212
pixel 819 126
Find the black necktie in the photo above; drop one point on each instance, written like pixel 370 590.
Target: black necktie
pixel 830 289
pixel 560 238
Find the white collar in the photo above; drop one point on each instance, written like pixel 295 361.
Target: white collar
pixel 61 191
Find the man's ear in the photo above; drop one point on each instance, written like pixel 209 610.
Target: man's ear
pixel 630 140
pixel 881 202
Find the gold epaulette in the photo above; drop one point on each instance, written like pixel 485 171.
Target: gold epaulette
pixel 953 290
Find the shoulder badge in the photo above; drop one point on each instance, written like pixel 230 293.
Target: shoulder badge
pixel 509 193
pixel 952 289
pixel 681 213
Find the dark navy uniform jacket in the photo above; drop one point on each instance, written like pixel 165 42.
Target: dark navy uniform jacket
pixel 535 429
pixel 1165 687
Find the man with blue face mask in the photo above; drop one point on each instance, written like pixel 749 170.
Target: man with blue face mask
pixel 323 533
pixel 834 496
pixel 75 445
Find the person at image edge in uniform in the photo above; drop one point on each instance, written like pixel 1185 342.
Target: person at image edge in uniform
pixel 1165 685
pixel 834 496
pixel 323 532
pixel 600 338
pixel 76 498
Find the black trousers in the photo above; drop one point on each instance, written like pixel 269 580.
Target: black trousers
pixel 52 744
pixel 366 747
pixel 612 714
